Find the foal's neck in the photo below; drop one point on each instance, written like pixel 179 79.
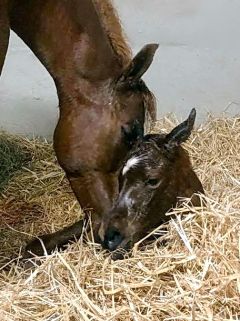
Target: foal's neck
pixel 68 38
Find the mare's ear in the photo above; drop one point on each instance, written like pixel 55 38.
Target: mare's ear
pixel 139 65
pixel 132 132
pixel 180 133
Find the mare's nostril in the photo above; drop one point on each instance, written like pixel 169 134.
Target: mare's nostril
pixel 112 239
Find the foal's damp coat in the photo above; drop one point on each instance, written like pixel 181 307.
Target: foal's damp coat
pixel 155 176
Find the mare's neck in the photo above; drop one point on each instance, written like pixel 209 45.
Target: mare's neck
pixel 68 38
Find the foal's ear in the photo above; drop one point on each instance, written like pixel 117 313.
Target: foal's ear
pixel 139 65
pixel 132 132
pixel 180 133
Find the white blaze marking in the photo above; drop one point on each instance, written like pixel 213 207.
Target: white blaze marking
pixel 127 200
pixel 132 162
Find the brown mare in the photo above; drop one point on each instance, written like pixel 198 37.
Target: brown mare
pixel 156 174
pixel 102 97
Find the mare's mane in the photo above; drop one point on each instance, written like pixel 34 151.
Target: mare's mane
pixel 111 23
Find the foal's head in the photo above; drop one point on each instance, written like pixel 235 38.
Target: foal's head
pixel 156 173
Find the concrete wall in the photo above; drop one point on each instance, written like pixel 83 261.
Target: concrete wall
pixel 197 64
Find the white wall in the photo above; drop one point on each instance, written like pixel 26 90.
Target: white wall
pixel 197 64
pixel 28 101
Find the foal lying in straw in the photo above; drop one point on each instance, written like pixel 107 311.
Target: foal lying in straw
pixel 155 175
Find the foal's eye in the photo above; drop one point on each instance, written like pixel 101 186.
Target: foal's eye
pixel 153 182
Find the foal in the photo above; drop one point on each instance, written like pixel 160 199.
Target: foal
pixel 156 174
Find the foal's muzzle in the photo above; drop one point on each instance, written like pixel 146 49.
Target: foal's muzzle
pixel 112 239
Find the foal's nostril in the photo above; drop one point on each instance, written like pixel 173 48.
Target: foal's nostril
pixel 112 239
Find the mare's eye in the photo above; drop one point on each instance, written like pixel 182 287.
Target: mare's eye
pixel 153 182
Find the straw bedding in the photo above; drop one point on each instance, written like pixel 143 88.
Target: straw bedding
pixel 195 275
